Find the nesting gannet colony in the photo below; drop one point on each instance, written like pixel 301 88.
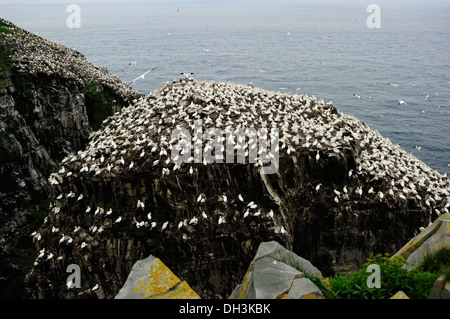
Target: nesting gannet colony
pixel 35 55
pixel 337 189
pixel 141 138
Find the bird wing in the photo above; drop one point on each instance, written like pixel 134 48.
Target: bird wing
pixel 142 76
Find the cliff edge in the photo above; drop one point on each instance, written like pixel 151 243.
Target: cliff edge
pixel 51 100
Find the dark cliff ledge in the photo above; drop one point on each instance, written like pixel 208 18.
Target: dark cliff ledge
pixel 342 192
pixel 51 100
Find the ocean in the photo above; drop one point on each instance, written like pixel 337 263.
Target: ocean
pixel 317 48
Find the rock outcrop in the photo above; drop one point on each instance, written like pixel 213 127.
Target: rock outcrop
pixel 441 288
pixel 151 279
pixel 341 191
pixel 277 273
pixel 51 100
pixel 431 239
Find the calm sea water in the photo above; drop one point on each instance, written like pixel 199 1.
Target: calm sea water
pixel 319 49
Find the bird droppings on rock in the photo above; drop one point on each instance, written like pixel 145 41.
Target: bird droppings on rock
pixel 373 182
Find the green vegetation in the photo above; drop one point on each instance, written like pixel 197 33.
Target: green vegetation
pixel 40 212
pixel 99 105
pixel 416 282
pixel 5 51
pixel 316 280
pixel 438 263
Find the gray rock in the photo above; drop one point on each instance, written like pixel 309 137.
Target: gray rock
pixel 303 288
pixel 277 252
pixel 441 289
pixel 431 240
pixel 151 279
pixel 276 272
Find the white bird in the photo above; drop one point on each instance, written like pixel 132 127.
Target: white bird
pixel 336 199
pixel 143 75
pixel 165 225
pixel 140 204
pixel 88 209
pixel 118 220
pixel 149 216
pixel 109 212
pixel 50 256
pixel 193 221
pixel 221 220
pixel 204 215
pixel 180 224
pixel 94 288
pixel 41 253
pixel 241 198
pixel 318 187
pixel 317 156
pixel 70 284
pixel 359 191
pixel 270 214
pixel 83 244
pixel 401 102
pixel 191 170
pixel 246 213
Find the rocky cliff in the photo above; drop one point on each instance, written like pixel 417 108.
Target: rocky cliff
pixel 149 181
pixel 51 100
pixel 153 180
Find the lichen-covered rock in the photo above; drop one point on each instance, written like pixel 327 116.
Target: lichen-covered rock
pixel 400 295
pixel 277 273
pixel 151 279
pixel 304 288
pixel 431 240
pixel 441 288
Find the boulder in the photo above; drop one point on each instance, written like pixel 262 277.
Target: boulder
pixel 399 295
pixel 276 273
pixel 432 239
pixel 151 279
pixel 441 289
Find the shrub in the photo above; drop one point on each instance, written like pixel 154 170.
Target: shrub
pixel 416 283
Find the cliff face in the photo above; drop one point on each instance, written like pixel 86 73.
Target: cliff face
pixel 51 99
pixel 341 192
pixel 102 194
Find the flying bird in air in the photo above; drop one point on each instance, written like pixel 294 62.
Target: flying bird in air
pixel 143 75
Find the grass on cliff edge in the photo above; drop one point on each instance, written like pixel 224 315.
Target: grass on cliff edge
pixel 5 52
pixel 416 283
